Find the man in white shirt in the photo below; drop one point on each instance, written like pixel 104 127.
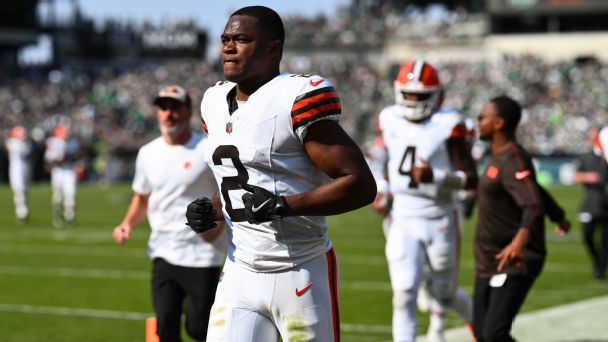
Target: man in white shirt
pixel 19 148
pixel 284 163
pixel 170 172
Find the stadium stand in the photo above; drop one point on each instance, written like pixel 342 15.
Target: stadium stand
pixel 107 103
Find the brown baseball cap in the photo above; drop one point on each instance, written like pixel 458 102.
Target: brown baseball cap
pixel 173 92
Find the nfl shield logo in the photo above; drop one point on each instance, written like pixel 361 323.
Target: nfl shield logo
pixel 229 127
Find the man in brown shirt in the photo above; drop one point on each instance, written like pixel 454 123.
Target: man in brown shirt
pixel 509 239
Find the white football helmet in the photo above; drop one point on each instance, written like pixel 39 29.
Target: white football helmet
pixel 418 77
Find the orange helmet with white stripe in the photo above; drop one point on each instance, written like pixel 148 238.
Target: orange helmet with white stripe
pixel 420 78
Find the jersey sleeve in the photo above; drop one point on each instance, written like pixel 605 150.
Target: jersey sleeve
pixel 378 160
pixel 519 181
pixel 460 130
pixel 203 112
pixel 207 104
pixel 204 124
pixel 140 182
pixel 316 101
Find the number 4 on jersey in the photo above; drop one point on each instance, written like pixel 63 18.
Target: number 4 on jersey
pixel 407 164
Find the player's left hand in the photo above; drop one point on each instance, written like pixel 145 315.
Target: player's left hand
pixel 261 205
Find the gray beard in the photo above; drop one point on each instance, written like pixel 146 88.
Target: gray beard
pixel 172 132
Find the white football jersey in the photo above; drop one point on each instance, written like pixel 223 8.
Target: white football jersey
pixel 261 143
pixel 18 153
pixel 62 152
pixel 18 163
pixel 408 143
pixel 174 176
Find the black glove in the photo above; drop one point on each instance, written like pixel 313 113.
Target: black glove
pixel 201 215
pixel 261 205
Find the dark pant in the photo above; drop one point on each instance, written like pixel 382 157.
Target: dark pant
pixel 599 252
pixel 171 285
pixel 494 308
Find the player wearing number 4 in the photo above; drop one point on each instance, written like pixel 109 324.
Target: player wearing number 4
pixel 427 161
pixel 283 162
pixel 510 235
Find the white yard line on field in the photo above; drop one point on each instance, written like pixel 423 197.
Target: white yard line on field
pixel 75 312
pixel 139 275
pixel 140 316
pixel 583 320
pixel 72 250
pixel 345 259
pixel 66 272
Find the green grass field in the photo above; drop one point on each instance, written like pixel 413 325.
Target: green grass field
pixel 75 284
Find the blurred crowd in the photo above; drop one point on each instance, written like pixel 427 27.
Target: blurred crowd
pixel 112 112
pixel 561 100
pixel 110 108
pixel 371 25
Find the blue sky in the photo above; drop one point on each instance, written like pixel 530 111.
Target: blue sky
pixel 210 14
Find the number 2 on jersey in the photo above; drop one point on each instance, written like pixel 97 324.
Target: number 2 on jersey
pixel 234 182
pixel 407 164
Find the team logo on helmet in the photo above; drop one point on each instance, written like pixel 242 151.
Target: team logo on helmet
pixel 418 78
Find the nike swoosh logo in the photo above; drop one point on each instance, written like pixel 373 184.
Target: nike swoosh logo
pixel 255 209
pixel 315 83
pixel 299 293
pixel 522 174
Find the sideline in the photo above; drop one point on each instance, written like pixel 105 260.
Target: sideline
pixel 585 320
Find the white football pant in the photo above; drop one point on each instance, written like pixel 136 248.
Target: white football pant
pixel 412 242
pixel 63 183
pixel 300 304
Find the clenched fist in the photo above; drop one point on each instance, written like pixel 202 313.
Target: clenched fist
pixel 201 215
pixel 261 205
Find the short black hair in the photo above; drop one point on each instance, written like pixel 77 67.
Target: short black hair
pixel 509 110
pixel 268 20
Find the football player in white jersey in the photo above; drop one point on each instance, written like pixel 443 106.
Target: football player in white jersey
pixel 19 149
pixel 427 162
pixel 283 163
pixel 62 151
pixel 170 173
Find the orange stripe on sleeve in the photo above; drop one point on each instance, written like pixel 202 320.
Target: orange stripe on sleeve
pixel 305 102
pixel 315 111
pixel 460 131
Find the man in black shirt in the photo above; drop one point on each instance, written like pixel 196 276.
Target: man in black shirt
pixel 509 239
pixel 592 172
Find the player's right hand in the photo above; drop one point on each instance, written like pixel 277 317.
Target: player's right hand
pixel 121 234
pixel 201 215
